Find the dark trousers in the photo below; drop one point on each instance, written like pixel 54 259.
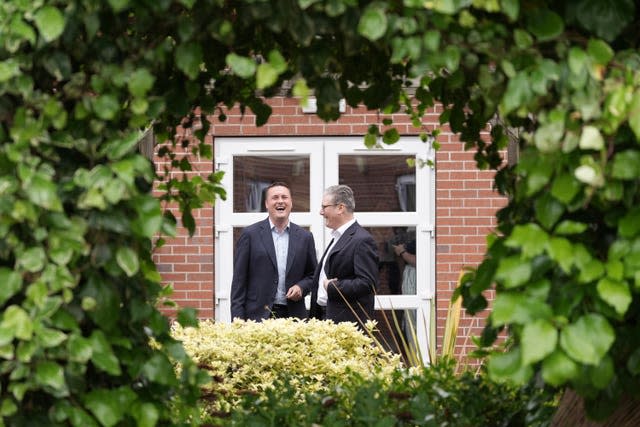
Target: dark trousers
pixel 279 311
pixel 322 312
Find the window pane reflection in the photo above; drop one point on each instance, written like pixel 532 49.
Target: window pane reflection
pixel 397 274
pixel 381 183
pixel 253 174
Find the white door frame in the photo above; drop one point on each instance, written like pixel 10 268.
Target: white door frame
pixel 324 154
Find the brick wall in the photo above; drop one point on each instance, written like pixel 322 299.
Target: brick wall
pixel 465 207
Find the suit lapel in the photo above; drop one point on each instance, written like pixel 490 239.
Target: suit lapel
pixel 267 241
pixel 291 252
pixel 345 239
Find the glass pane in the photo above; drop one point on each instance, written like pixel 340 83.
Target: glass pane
pixel 397 276
pixel 397 332
pixel 380 183
pixel 252 175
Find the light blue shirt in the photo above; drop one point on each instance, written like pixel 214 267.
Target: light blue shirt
pixel 281 244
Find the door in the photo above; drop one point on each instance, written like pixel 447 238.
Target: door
pixel 395 202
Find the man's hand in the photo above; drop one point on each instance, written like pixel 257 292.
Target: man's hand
pixel 327 282
pixel 294 293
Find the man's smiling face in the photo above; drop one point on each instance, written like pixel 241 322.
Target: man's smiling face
pixel 279 204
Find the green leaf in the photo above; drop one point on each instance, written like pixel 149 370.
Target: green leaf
pixel 391 136
pixel 128 261
pixel 629 224
pixel 189 59
pixel 119 5
pixel 102 354
pixel 277 61
pixel 241 66
pixel 508 367
pixel 448 7
pixel 119 148
pixel 33 259
pixel 304 4
pixel 52 375
pixel 561 251
pixel 50 23
pixel 145 414
pixel 105 406
pixel 589 174
pixel 634 113
pixel 548 210
pixel 266 76
pixel 50 337
pixel 511 8
pixel 188 317
pixel 11 284
pixel 626 165
pixel 18 321
pixel 140 82
pixel 516 308
pixel 539 339
pixel 513 272
pixel 577 61
pixel 149 216
pixel 518 93
pixel 557 369
pixel 590 271
pixel 606 19
pixel 530 238
pixel 22 30
pixel 588 339
pixel 633 362
pixel 373 22
pixel 301 90
pixel 451 58
pixel 106 106
pixel 544 24
pixel 9 68
pixel 599 51
pixel 591 139
pixel 159 369
pixel 568 227
pixel 602 374
pixel 616 293
pixel 79 348
pixel 44 193
pixel 565 187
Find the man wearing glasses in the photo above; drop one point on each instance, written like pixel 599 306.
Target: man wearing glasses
pixel 346 277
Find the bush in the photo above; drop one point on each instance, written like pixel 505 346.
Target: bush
pixel 433 396
pixel 249 358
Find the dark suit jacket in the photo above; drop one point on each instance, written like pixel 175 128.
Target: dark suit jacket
pixel 255 271
pixel 354 261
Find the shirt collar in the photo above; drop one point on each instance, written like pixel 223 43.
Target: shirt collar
pixel 340 230
pixel 272 225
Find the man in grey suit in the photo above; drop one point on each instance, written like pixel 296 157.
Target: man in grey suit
pixel 346 278
pixel 274 263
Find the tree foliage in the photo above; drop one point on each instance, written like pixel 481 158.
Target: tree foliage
pixel 80 79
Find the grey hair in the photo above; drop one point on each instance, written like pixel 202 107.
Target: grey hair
pixel 342 194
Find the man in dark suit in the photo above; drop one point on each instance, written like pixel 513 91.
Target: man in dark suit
pixel 346 278
pixel 274 263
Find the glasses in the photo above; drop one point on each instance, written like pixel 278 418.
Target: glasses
pixel 323 207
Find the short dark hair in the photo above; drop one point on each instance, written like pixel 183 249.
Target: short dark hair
pixel 278 184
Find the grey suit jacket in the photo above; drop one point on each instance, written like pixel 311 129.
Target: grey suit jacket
pixel 255 271
pixel 354 262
